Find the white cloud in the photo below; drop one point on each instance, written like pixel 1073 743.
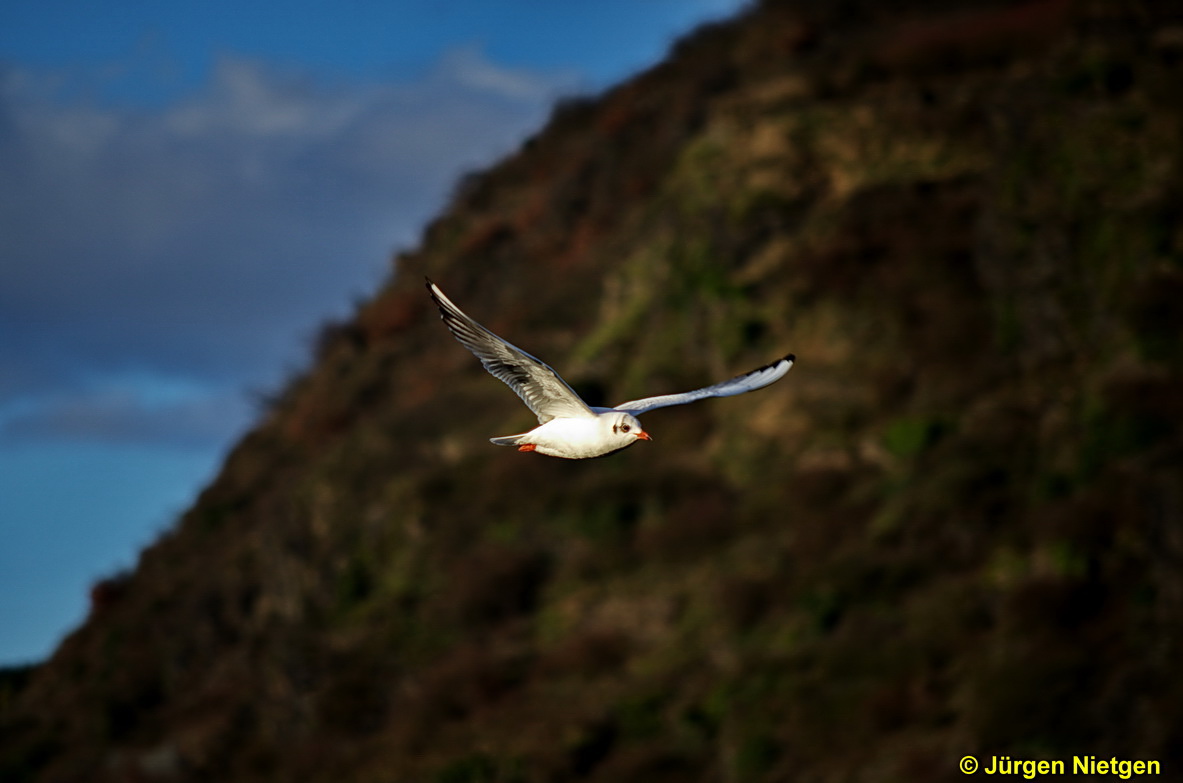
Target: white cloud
pixel 205 239
pixel 146 411
pixel 468 66
pixel 249 101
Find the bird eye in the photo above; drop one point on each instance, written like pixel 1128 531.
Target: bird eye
pixel 624 428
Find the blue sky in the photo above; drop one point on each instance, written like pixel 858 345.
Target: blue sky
pixel 188 190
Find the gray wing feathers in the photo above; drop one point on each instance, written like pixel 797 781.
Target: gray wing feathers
pixel 750 381
pixel 540 387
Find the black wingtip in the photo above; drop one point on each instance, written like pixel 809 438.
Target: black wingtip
pixel 790 358
pixel 431 291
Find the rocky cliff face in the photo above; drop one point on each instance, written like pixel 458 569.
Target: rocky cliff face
pixel 955 528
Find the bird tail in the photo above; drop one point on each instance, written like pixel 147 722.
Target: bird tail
pixel 507 440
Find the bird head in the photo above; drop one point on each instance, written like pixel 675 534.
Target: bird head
pixel 627 429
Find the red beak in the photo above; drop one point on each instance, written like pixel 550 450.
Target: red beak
pixel 642 435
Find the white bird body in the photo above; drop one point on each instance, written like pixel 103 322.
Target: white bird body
pixel 577 438
pixel 568 427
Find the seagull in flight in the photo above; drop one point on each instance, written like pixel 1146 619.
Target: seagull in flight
pixel 567 426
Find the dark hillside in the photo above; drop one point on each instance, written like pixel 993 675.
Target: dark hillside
pixel 956 527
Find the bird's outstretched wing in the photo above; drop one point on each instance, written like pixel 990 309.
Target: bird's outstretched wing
pixel 539 386
pixel 749 381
